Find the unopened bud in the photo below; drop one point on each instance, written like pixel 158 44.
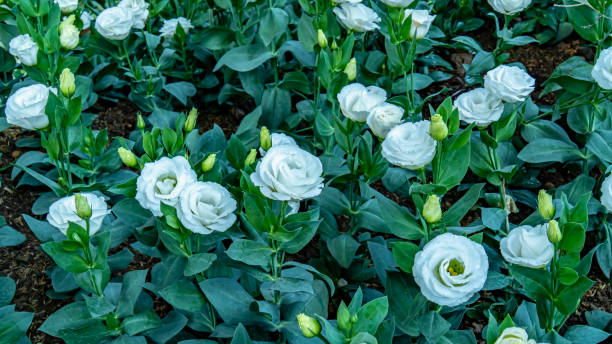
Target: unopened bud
pixel 140 123
pixel 69 34
pixel 83 208
pixel 264 139
pixel 545 205
pixel 438 129
pixel 127 157
pixel 250 159
pixel 322 39
pixel 334 45
pixel 209 163
pixel 69 20
pixel 67 83
pixel 192 118
pixel 554 233
pixel 351 69
pixel 344 318
pixel 310 326
pixel 431 210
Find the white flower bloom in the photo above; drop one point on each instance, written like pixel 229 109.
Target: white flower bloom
pixel 347 1
pixel 514 335
pixel 206 207
pixel 409 145
pixel 509 6
pixel 510 83
pixel 69 37
pixel 163 181
pixel 139 9
pixel 169 28
pixel 86 18
pixel 479 106
pixel 288 173
pixel 63 211
pixel 357 101
pixel 398 3
pixel 279 139
pixel 24 49
pixel 606 193
pixel 26 107
pixel 528 246
pixel 357 17
pixel 115 23
pixel 602 72
pixel 450 269
pixel 67 6
pixel 383 118
pixel 421 22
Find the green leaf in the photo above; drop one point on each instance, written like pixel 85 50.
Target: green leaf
pixel 241 336
pixel 273 23
pixel 184 295
pixel 7 290
pixel 244 58
pixel 432 325
pixel 133 281
pixel 567 276
pixel 230 300
pixel 276 106
pixel 585 334
pixel 250 252
pixel 69 261
pixel 343 249
pixel 181 90
pixel 549 150
pixel 568 299
pixel 399 221
pixel 141 322
pixel 199 262
pixel 10 237
pixel 457 211
pixel 404 252
pixel 371 315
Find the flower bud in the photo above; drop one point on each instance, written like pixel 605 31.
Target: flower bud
pixel 209 163
pixel 83 208
pixel 351 69
pixel 250 159
pixel 438 129
pixel 431 210
pixel 545 205
pixel 67 84
pixel 554 233
pixel 140 123
pixel 322 39
pixel 264 139
pixel 69 36
pixel 69 20
pixel 344 318
pixel 310 326
pixel 127 157
pixel 191 120
pixel 334 45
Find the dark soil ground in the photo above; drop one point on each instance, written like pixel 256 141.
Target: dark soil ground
pixel 26 263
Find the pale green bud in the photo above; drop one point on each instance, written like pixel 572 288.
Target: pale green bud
pixel 432 212
pixel 69 36
pixel 545 205
pixel 322 39
pixel 192 118
pixel 83 208
pixel 334 45
pixel 140 123
pixel 67 83
pixel 438 129
pixel 344 318
pixel 250 159
pixel 554 233
pixel 310 326
pixel 209 163
pixel 69 20
pixel 127 157
pixel 264 139
pixel 351 69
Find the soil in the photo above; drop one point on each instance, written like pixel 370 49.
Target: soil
pixel 26 263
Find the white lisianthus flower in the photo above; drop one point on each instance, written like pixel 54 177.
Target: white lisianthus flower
pixel 514 335
pixel 279 139
pixel 26 107
pixel 510 83
pixel 67 6
pixel 86 18
pixel 288 173
pixel 398 3
pixel 606 193
pixel 357 101
pixel 115 23
pixel 24 49
pixel 602 72
pixel 357 17
pixel 509 6
pixel 383 118
pixel 163 181
pixel 139 9
pixel 206 207
pixel 421 22
pixel 169 28
pixel 528 246
pixel 450 269
pixel 63 211
pixel 479 106
pixel 409 145
pixel 69 36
